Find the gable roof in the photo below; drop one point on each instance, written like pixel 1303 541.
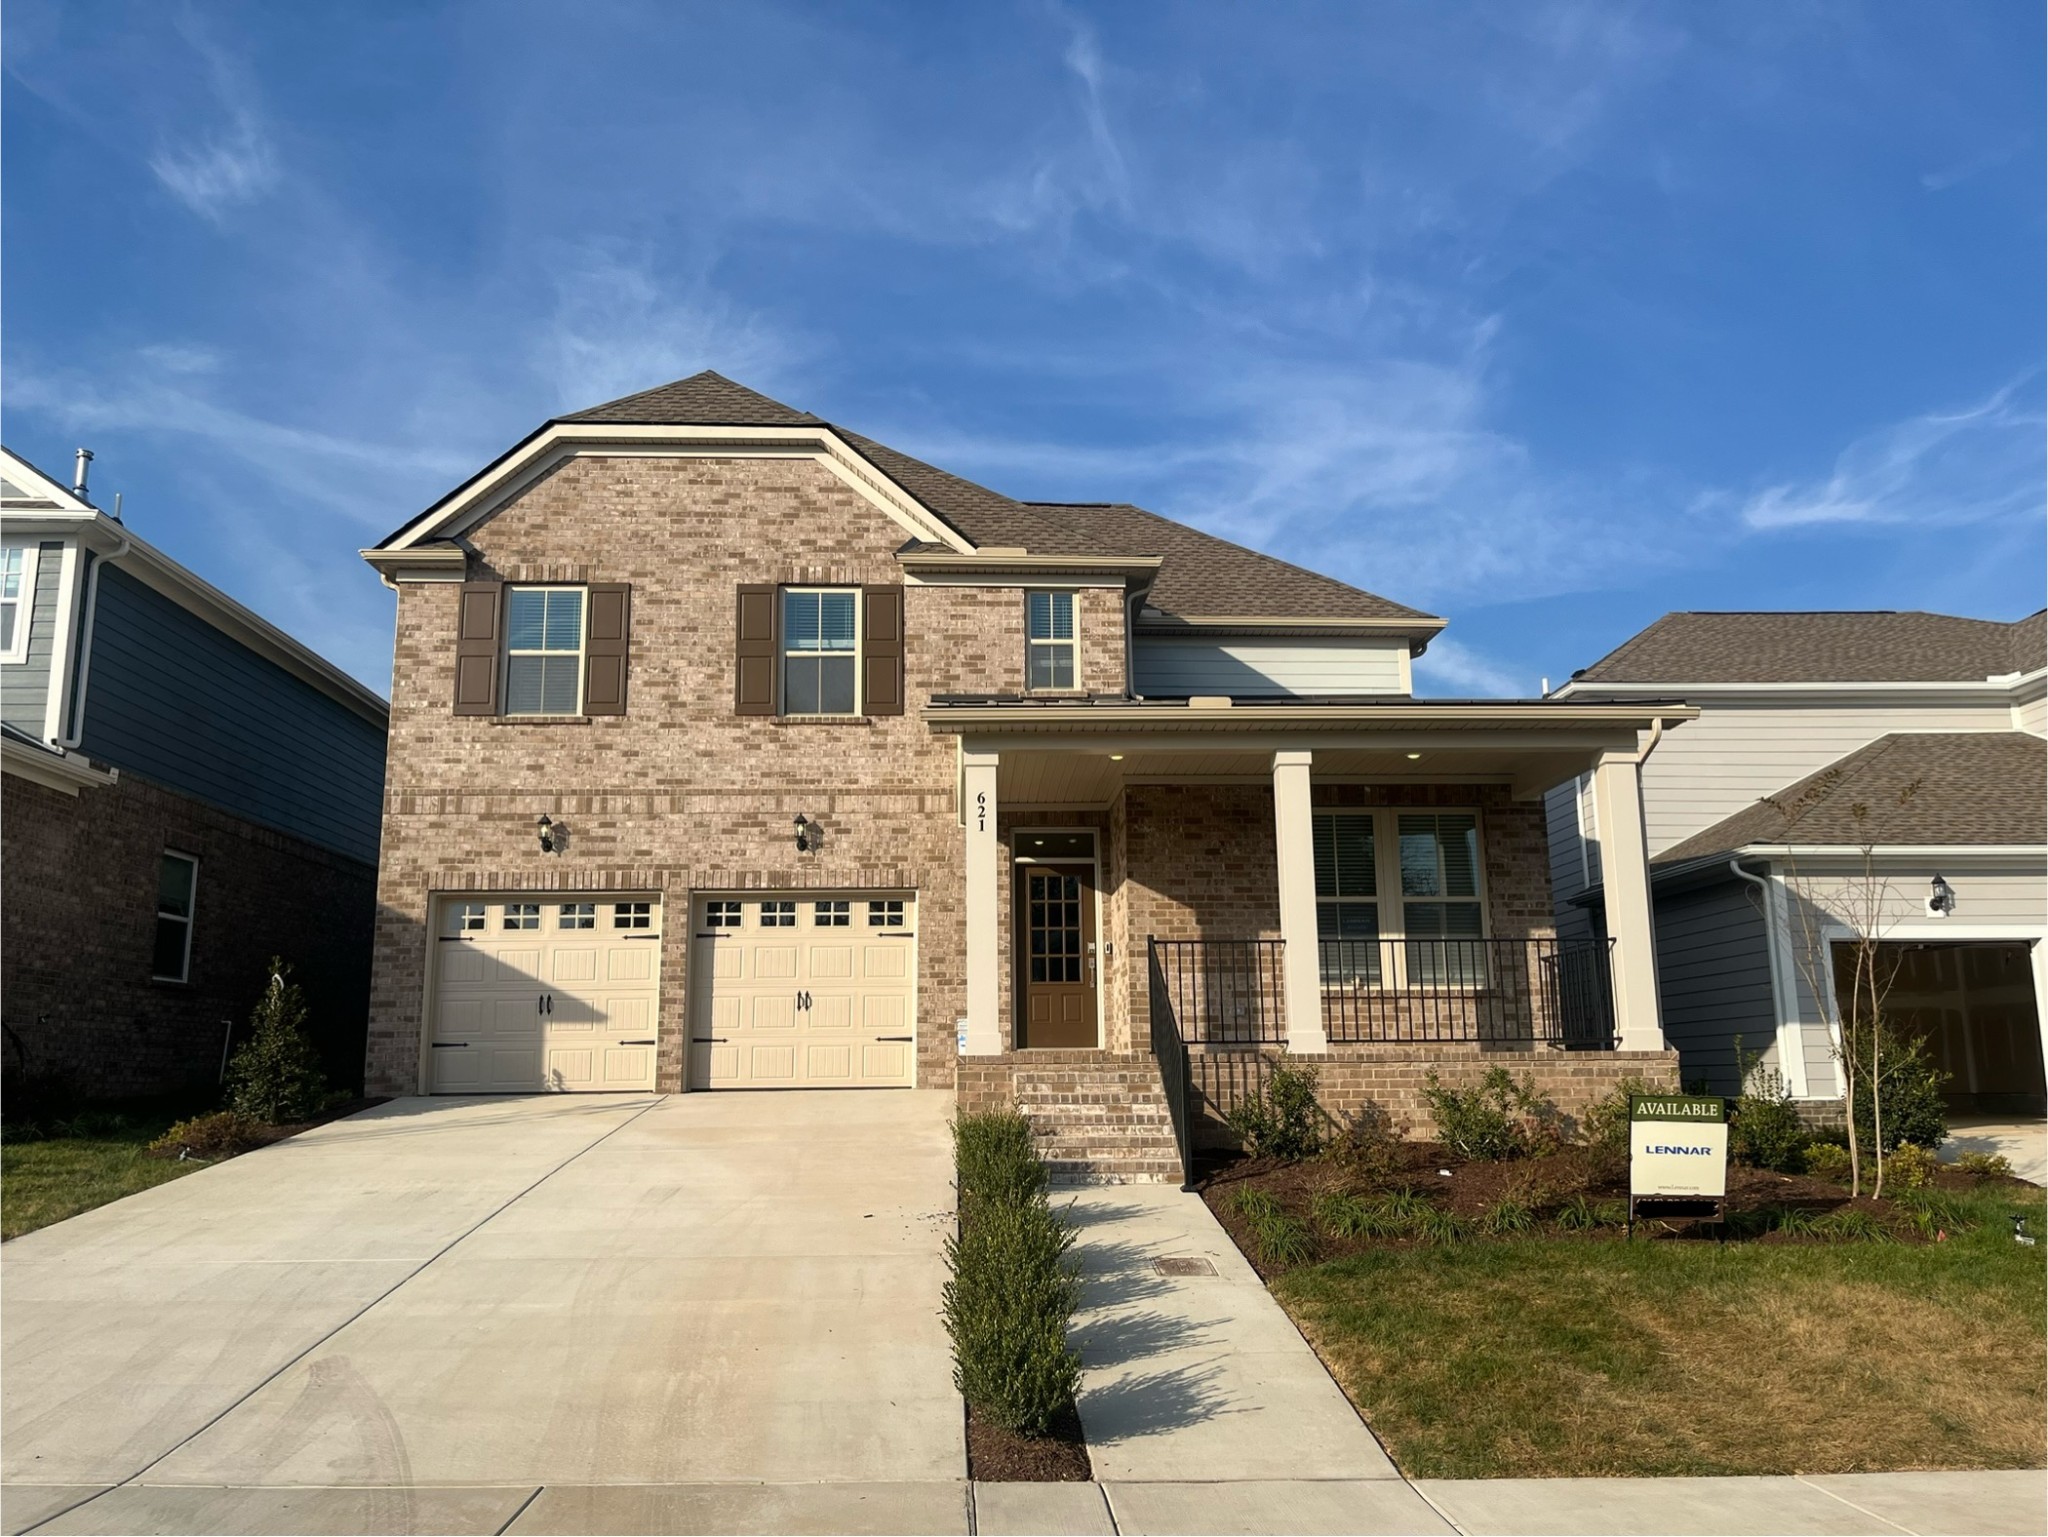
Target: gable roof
pixel 1856 646
pixel 1936 787
pixel 1201 578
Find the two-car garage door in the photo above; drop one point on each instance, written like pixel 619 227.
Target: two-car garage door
pixel 545 991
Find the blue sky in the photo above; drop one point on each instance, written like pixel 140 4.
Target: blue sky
pixel 1545 317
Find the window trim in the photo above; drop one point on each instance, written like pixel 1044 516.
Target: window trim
pixel 1072 644
pixel 31 552
pixel 1393 910
pixel 190 919
pixel 506 650
pixel 783 653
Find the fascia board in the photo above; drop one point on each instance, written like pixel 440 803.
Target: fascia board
pixel 1210 624
pixel 1592 688
pixel 1534 719
pixel 49 489
pixel 56 771
pixel 487 490
pixel 1852 851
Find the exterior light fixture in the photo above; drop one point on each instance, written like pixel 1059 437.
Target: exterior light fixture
pixel 810 836
pixel 1941 898
pixel 553 835
pixel 1413 756
pixel 1116 757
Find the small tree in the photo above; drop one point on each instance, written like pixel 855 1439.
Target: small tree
pixel 276 1076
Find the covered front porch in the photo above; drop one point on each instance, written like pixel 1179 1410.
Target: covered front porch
pixel 1363 882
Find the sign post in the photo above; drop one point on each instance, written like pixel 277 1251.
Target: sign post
pixel 1677 1156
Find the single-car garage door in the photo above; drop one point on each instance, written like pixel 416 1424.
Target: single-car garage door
pixel 804 991
pixel 545 992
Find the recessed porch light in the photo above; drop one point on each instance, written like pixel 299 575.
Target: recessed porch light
pixel 1413 756
pixel 1116 757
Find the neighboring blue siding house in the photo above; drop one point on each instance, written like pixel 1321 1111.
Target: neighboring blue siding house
pixel 189 792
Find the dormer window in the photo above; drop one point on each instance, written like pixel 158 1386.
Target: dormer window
pixel 1052 643
pixel 17 582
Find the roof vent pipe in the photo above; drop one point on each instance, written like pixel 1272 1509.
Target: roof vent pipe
pixel 78 475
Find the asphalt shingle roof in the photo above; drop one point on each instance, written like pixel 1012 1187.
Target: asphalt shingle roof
pixel 1936 787
pixel 1202 576
pixel 1877 646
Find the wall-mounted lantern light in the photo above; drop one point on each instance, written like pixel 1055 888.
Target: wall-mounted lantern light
pixel 554 836
pixel 810 836
pixel 1941 898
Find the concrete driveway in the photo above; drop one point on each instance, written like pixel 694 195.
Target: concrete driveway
pixel 469 1295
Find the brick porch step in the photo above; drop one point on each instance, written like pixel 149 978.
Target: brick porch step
pixel 1098 1119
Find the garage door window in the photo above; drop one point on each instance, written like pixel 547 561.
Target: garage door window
pixel 886 914
pixel 469 917
pixel 579 915
pixel 631 915
pixel 721 915
pixel 778 915
pixel 832 915
pixel 177 886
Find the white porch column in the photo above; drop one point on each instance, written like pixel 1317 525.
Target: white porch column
pixel 1625 870
pixel 984 873
pixel 1295 859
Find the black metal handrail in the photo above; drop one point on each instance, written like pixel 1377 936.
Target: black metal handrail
pixel 1170 1051
pixel 1493 991
pixel 1224 992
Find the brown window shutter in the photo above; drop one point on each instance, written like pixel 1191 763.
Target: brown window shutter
pixel 754 652
pixel 476 647
pixel 881 646
pixel 606 643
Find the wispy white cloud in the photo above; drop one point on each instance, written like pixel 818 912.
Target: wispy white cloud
pixel 1984 461
pixel 1083 58
pixel 1450 668
pixel 230 163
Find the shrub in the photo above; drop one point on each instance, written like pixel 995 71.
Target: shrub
pixel 1494 1119
pixel 1851 1224
pixel 1254 1205
pixel 1507 1217
pixel 1908 1166
pixel 993 1158
pixel 1984 1166
pixel 1604 1126
pixel 1435 1225
pixel 1765 1131
pixel 1283 1241
pixel 1579 1215
pixel 1344 1216
pixel 1281 1118
pixel 1370 1145
pixel 1934 1213
pixel 1827 1160
pixel 1909 1091
pixel 276 1075
pixel 221 1134
pixel 1007 1305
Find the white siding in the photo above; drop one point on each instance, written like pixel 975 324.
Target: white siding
pixel 2032 715
pixel 1168 667
pixel 1738 752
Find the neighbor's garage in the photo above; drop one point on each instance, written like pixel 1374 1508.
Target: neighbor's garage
pixel 537 992
pixel 804 990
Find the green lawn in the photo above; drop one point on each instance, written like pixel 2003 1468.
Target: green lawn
pixel 1568 1356
pixel 48 1180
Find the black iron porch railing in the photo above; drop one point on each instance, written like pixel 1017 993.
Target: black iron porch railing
pixel 1493 991
pixel 1170 1051
pixel 1224 992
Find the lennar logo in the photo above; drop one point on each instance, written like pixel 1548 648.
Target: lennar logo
pixel 1661 1147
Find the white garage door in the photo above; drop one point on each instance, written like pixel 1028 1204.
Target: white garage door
pixel 545 992
pixel 804 991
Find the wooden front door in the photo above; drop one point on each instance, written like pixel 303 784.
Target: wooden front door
pixel 1058 954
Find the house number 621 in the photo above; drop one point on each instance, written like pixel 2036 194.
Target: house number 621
pixel 981 811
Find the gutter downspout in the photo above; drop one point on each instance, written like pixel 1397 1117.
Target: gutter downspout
pixel 1791 1052
pixel 70 739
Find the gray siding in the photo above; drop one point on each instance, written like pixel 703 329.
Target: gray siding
pixel 1569 856
pixel 172 699
pixel 25 685
pixel 1714 981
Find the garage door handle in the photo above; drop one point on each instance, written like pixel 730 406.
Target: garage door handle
pixel 645 936
pixel 707 1040
pixel 895 1038
pixel 648 1042
pixel 448 1045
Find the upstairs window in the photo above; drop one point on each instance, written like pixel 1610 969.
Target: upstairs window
pixel 1053 659
pixel 544 651
pixel 820 656
pixel 177 888
pixel 17 590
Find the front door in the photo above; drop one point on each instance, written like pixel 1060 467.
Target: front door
pixel 1058 950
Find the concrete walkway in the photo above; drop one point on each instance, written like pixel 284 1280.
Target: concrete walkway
pixel 439 1299
pixel 2022 1143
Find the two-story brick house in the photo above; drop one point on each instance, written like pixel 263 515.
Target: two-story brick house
pixel 731 749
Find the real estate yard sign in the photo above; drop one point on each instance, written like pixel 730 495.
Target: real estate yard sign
pixel 1677 1149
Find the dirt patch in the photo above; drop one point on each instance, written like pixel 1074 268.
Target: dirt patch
pixel 996 1455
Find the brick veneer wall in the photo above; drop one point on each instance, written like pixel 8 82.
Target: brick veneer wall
pixel 680 794
pixel 80 925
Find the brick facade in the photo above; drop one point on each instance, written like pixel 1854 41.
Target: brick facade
pixel 80 926
pixel 681 794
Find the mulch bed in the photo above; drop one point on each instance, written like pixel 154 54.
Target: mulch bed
pixel 996 1455
pixel 339 1112
pixel 1471 1188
